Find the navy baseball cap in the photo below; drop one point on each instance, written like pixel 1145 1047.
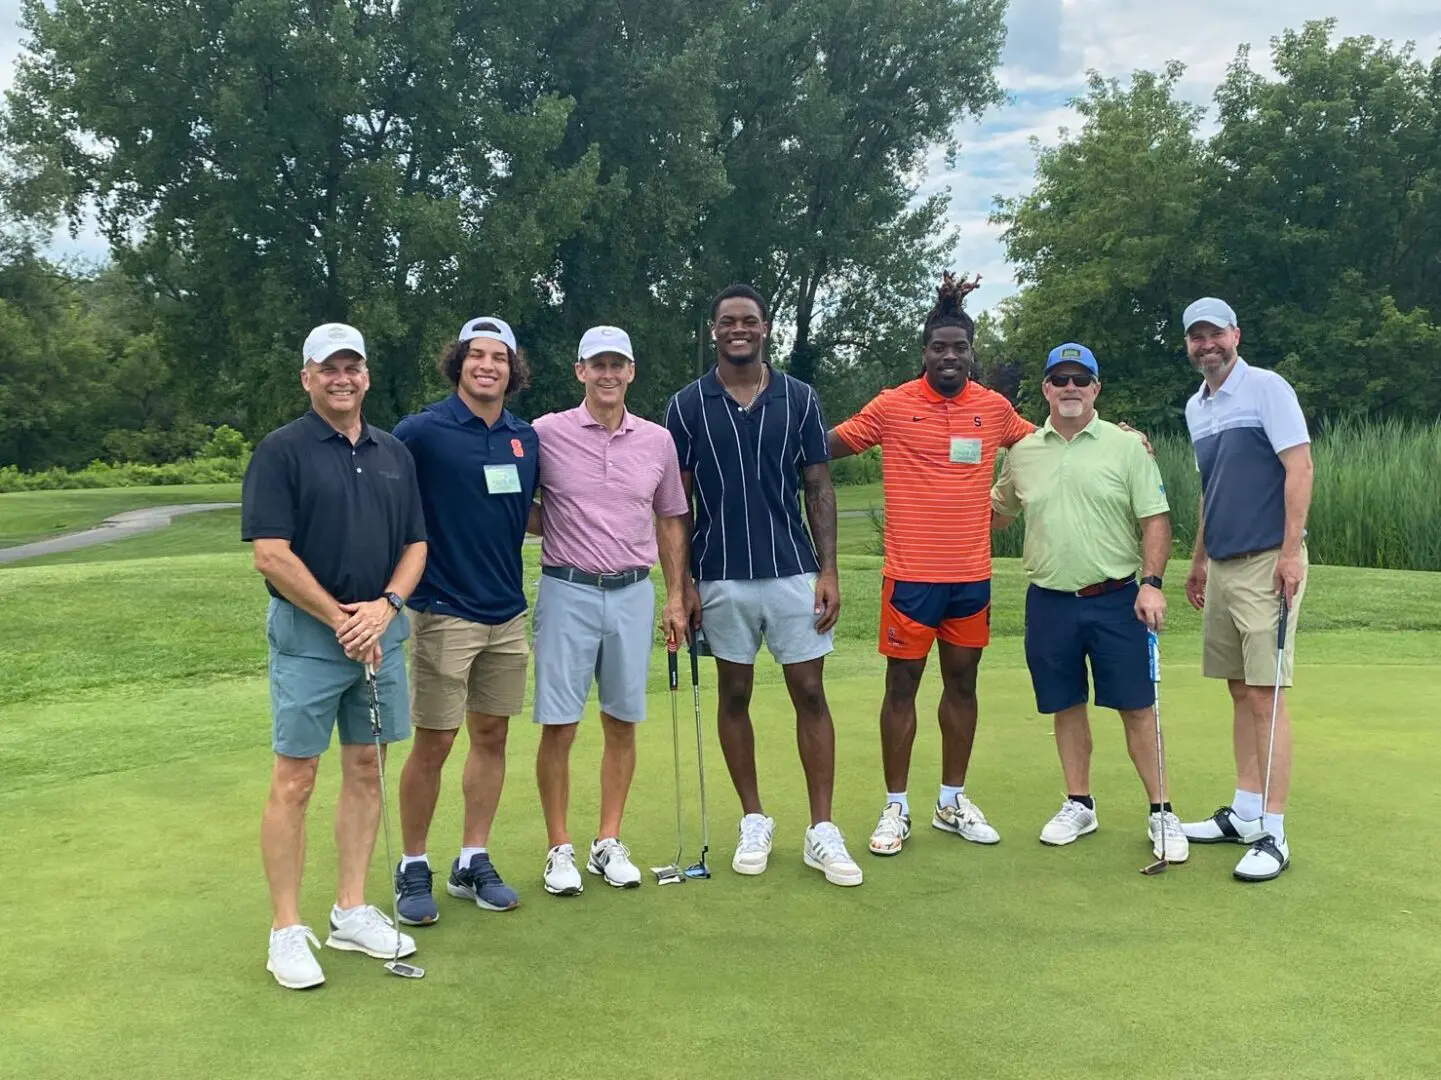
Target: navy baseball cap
pixel 1071 353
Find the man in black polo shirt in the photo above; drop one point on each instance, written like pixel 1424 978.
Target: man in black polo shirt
pixel 331 508
pixel 476 464
pixel 747 436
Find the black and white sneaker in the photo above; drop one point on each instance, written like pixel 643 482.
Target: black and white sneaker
pixel 1225 826
pixel 611 860
pixel 1264 861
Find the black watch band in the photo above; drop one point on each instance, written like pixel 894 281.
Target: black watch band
pixel 1151 579
pixel 394 600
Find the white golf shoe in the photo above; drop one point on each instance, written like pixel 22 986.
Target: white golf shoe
pixel 964 818
pixel 1265 860
pixel 561 877
pixel 611 860
pixel 825 850
pixel 1225 826
pixel 753 848
pixel 291 961
pixel 1072 821
pixel 367 930
pixel 891 831
pixel 1177 848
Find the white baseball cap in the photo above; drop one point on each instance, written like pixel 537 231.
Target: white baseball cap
pixel 482 328
pixel 328 339
pixel 604 339
pixel 1209 310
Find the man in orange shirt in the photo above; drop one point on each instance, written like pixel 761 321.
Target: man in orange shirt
pixel 938 435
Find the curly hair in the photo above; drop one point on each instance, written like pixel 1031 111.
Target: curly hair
pixel 745 292
pixel 948 309
pixel 452 359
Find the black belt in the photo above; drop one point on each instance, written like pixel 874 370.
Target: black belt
pixel 1107 586
pixel 597 581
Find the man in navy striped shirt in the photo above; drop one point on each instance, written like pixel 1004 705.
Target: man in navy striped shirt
pixel 747 436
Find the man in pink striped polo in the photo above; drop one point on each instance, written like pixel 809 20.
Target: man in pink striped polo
pixel 611 505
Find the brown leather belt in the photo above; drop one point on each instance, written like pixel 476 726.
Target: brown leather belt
pixel 1103 587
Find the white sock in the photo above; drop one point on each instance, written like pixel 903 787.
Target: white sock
pixel 900 797
pixel 406 860
pixel 1247 805
pixel 948 793
pixel 466 853
pixel 1273 824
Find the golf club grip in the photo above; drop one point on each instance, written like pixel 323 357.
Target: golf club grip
pixel 1153 654
pixel 1281 624
pixel 694 662
pixel 671 668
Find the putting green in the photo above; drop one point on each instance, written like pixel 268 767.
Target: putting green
pixel 133 767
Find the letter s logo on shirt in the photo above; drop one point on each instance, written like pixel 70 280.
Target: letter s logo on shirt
pixel 977 421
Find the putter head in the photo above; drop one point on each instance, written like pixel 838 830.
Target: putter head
pixel 668 875
pixel 698 870
pixel 1157 867
pixel 404 970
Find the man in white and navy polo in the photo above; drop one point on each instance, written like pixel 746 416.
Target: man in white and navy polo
pixel 747 436
pixel 1254 454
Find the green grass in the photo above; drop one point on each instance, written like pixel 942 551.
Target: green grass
pixel 134 765
pixel 34 515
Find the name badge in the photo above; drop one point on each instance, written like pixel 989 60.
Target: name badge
pixel 965 451
pixel 502 480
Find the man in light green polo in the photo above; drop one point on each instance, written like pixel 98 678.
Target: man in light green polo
pixel 1085 486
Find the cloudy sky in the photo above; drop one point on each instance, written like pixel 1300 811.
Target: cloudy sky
pixel 1050 46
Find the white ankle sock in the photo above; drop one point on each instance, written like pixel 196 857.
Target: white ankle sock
pixel 467 853
pixel 406 860
pixel 1247 805
pixel 900 797
pixel 1274 824
pixel 948 793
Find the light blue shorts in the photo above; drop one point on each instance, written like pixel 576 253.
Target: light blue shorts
pixel 314 686
pixel 584 634
pixel 737 615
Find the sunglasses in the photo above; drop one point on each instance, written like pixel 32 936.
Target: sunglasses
pixel 1067 380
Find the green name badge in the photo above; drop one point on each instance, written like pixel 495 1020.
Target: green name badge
pixel 965 451
pixel 502 480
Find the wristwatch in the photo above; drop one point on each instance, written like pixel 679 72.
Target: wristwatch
pixel 1152 580
pixel 394 600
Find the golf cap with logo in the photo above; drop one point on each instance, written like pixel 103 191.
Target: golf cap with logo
pixel 1209 310
pixel 328 339
pixel 605 339
pixel 1071 353
pixel 481 328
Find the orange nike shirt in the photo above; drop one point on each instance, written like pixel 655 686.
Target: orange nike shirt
pixel 938 460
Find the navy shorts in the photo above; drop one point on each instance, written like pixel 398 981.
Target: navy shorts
pixel 1063 631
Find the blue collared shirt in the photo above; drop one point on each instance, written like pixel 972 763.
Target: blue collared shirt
pixel 473 569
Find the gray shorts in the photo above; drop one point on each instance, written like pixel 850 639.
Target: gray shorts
pixel 736 615
pixel 584 633
pixel 315 687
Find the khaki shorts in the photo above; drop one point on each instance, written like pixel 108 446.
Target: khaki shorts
pixel 457 666
pixel 1240 619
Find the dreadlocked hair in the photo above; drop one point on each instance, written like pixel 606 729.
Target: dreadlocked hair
pixel 948 310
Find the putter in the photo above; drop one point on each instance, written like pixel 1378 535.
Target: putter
pixel 1153 647
pixel 672 874
pixel 699 869
pixel 394 965
pixel 1275 702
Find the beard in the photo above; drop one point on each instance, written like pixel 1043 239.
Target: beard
pixel 1071 409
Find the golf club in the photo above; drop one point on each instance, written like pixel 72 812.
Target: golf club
pixel 393 965
pixel 696 644
pixel 1154 648
pixel 672 874
pixel 1275 704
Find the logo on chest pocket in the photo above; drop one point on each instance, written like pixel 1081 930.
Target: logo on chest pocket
pixel 516 448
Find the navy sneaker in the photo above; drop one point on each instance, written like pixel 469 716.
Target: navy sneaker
pixel 413 902
pixel 480 882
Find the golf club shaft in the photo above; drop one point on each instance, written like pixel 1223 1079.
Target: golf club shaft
pixel 699 751
pixel 1275 703
pixel 384 807
pixel 1155 651
pixel 675 747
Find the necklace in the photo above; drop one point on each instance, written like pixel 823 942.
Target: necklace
pixel 760 385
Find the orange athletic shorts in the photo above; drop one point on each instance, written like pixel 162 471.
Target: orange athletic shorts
pixel 915 613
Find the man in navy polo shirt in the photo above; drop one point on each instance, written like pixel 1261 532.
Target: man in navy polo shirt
pixel 476 464
pixel 747 436
pixel 1254 454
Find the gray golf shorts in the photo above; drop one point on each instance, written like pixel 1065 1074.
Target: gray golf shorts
pixel 584 634
pixel 737 615
pixel 315 687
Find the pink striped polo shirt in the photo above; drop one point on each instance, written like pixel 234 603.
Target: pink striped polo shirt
pixel 600 492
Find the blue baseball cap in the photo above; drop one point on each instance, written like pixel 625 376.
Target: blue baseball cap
pixel 1071 353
